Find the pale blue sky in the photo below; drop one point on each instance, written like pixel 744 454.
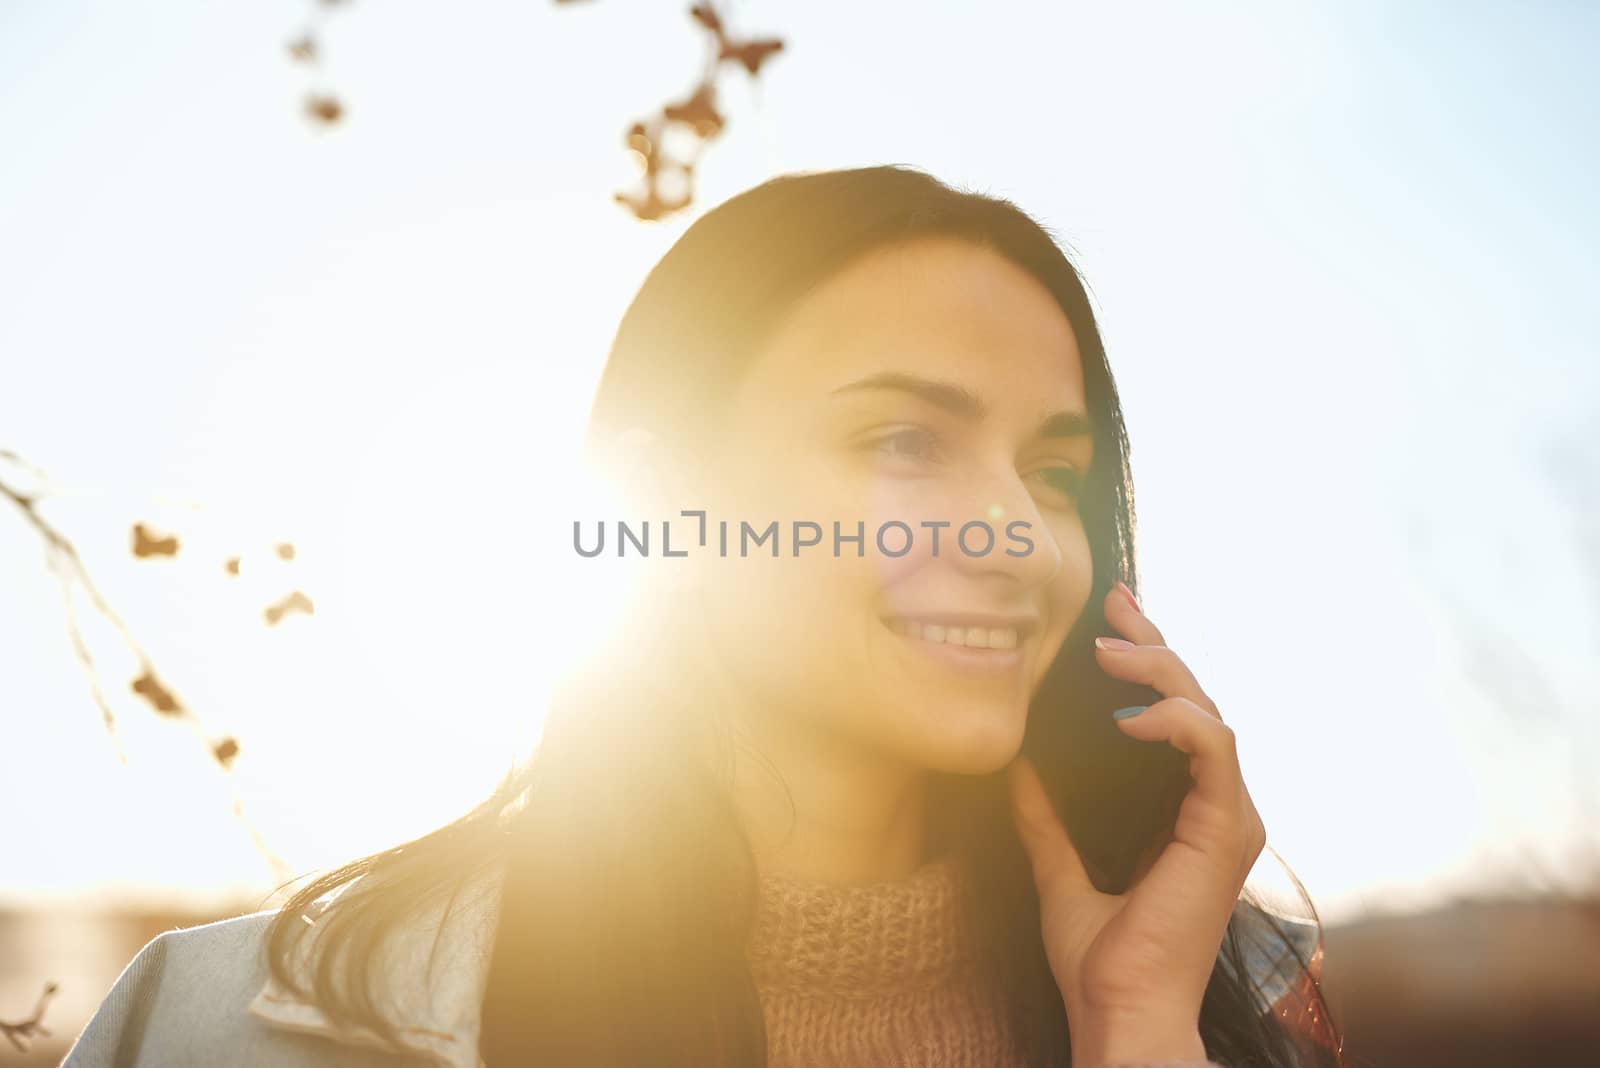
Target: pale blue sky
pixel 1344 254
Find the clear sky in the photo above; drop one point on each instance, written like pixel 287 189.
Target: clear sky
pixel 1344 254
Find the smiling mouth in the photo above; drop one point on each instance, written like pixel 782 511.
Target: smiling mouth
pixel 955 634
pixel 964 645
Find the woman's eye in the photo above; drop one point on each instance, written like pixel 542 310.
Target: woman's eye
pixel 912 442
pixel 1066 480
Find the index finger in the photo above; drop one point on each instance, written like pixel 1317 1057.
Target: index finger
pixel 1122 611
pixel 1207 741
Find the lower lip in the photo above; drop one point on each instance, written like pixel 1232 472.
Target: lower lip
pixel 963 656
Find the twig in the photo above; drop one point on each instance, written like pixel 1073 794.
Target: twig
pixel 65 561
pixel 19 1032
pixel 697 111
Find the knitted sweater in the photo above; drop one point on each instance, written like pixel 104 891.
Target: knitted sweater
pixel 878 975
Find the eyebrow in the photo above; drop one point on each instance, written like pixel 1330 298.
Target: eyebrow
pixel 960 401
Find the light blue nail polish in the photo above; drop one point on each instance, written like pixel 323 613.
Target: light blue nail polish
pixel 1131 710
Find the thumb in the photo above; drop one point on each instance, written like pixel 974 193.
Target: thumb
pixel 1056 864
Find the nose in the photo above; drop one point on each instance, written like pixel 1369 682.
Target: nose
pixel 1021 549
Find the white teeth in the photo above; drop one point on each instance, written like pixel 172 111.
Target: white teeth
pixel 971 637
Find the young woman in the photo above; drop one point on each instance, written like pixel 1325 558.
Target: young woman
pixel 884 767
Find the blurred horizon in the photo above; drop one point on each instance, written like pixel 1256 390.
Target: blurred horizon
pixel 1341 255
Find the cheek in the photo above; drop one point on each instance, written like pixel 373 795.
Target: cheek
pixel 1069 591
pixel 793 621
pixel 792 631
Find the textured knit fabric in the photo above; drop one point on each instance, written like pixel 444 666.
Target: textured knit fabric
pixel 877 975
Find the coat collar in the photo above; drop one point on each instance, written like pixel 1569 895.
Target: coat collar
pixel 443 1009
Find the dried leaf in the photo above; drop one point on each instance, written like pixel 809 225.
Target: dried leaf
pixel 160 698
pixel 295 601
pixel 751 54
pixel 643 145
pixel 147 544
pixel 707 16
pixel 225 750
pixel 652 206
pixel 324 108
pixel 699 112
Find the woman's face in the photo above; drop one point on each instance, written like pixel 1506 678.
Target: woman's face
pixel 932 382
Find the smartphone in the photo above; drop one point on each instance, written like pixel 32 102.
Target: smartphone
pixel 1117 796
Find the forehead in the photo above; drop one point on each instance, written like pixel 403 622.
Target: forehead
pixel 942 307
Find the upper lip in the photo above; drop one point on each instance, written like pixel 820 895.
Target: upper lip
pixel 1022 623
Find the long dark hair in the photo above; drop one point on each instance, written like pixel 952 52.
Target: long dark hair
pixel 628 882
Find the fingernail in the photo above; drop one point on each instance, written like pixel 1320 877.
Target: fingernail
pixel 1123 586
pixel 1114 644
pixel 1130 711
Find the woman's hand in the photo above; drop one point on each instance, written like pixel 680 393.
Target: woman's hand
pixel 1133 967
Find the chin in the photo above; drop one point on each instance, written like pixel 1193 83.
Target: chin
pixel 982 748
